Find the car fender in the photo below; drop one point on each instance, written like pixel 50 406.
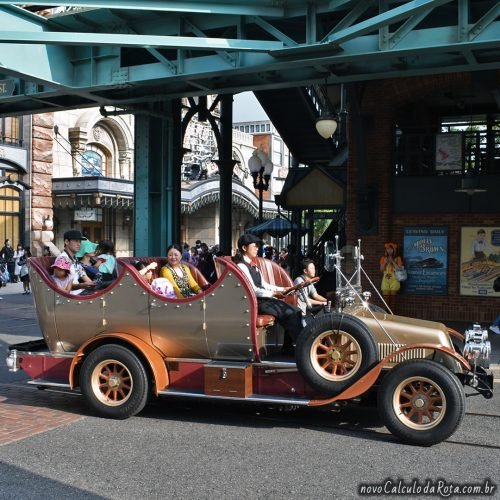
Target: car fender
pixel 151 355
pixel 367 380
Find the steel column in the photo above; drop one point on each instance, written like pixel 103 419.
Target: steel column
pixel 226 165
pixel 157 182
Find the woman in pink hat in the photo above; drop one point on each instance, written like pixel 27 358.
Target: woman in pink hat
pixel 62 277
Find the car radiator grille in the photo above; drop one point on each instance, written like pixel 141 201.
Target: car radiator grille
pixel 386 349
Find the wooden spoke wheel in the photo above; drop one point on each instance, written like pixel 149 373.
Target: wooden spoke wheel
pixel 114 381
pixel 421 402
pixel 111 382
pixel 333 351
pixel 336 355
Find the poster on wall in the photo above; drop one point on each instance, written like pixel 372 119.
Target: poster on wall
pixel 448 152
pixel 425 252
pixel 479 260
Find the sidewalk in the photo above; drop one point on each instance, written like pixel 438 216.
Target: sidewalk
pixel 11 289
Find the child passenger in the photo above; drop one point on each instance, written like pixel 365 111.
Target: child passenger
pixel 62 277
pixel 161 286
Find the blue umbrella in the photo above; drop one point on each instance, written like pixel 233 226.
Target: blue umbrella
pixel 277 227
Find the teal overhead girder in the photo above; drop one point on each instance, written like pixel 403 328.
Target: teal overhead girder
pixel 128 53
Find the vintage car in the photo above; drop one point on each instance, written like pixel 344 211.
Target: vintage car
pixel 124 344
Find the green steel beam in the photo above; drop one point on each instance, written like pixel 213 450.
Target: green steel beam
pixel 463 20
pixel 230 58
pixel 384 19
pixel 140 41
pixel 256 7
pixel 273 31
pixel 485 21
pixel 62 75
pixel 406 28
pixel 351 17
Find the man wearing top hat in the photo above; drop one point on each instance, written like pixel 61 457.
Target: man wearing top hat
pixel 288 316
pixel 72 244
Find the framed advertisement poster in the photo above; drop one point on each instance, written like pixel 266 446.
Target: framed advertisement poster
pixel 425 252
pixel 479 260
pixel 448 152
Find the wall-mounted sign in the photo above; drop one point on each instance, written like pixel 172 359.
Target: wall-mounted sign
pixel 87 215
pixel 448 152
pixel 425 250
pixel 7 87
pixel 479 260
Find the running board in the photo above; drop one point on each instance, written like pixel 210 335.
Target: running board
pixel 47 383
pixel 254 398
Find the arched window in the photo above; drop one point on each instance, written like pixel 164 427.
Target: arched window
pixel 11 131
pixel 10 207
pixel 95 161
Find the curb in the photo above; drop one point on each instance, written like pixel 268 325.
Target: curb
pixel 495 370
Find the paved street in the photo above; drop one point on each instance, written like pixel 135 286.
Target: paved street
pixel 51 446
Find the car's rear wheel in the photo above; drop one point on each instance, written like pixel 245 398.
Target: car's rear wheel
pixel 114 382
pixel 334 351
pixel 421 402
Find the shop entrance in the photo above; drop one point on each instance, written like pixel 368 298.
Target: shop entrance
pixel 93 231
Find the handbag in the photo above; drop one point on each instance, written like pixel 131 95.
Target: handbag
pixel 401 274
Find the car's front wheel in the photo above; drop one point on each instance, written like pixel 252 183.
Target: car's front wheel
pixel 334 351
pixel 114 382
pixel 421 402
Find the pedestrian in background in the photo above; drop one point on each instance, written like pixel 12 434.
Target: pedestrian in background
pixel 24 271
pixel 7 254
pixel 17 255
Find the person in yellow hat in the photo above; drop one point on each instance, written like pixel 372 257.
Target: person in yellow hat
pixel 389 263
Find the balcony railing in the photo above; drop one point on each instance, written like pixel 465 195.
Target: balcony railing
pixel 418 154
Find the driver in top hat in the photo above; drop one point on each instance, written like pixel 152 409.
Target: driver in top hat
pixel 286 315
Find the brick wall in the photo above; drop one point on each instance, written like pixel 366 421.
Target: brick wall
pixel 385 103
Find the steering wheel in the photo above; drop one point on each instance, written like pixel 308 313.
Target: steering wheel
pixel 301 285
